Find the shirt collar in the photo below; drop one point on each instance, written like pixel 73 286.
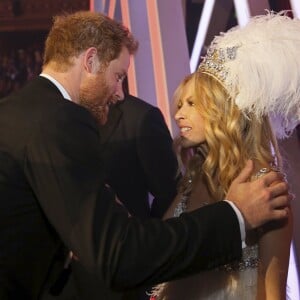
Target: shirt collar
pixel 58 85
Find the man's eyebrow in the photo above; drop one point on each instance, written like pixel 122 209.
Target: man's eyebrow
pixel 124 73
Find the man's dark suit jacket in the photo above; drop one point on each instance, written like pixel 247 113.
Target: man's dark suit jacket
pixel 139 158
pixel 51 192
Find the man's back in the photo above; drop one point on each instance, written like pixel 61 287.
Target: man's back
pixel 28 243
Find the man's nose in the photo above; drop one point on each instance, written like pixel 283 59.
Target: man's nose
pixel 119 95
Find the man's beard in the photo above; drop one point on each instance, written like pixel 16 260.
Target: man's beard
pixel 100 112
pixel 95 98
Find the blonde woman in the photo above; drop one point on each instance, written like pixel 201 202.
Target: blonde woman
pixel 223 120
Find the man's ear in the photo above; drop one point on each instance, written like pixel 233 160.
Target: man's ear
pixel 91 60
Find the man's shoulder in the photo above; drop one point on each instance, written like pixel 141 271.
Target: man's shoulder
pixel 37 93
pixel 41 100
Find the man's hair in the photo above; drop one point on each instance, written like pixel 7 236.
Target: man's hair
pixel 71 34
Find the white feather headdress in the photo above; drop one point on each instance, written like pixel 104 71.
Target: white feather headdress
pixel 259 66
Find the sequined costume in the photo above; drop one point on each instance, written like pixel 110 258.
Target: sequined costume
pixel 234 281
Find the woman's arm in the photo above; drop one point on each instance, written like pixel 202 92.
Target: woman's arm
pixel 274 251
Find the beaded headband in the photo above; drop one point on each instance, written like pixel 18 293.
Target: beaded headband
pixel 213 63
pixel 259 66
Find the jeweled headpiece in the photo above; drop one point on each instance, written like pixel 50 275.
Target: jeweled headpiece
pixel 259 66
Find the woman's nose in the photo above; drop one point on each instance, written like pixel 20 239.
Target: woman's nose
pixel 179 114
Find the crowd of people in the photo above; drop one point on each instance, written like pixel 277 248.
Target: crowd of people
pixel 17 66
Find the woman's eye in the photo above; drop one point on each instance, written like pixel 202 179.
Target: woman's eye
pixel 179 105
pixel 191 103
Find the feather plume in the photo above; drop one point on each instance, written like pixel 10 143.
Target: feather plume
pixel 263 75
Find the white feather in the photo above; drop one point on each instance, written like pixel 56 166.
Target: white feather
pixel 264 78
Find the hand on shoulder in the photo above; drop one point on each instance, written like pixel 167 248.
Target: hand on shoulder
pixel 261 200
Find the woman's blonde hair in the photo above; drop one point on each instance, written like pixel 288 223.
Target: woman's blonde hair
pixel 232 136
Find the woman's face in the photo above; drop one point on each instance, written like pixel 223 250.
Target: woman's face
pixel 189 119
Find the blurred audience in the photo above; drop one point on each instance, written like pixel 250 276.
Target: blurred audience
pixel 18 66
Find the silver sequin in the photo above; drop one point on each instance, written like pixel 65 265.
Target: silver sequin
pixel 249 253
pixel 249 260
